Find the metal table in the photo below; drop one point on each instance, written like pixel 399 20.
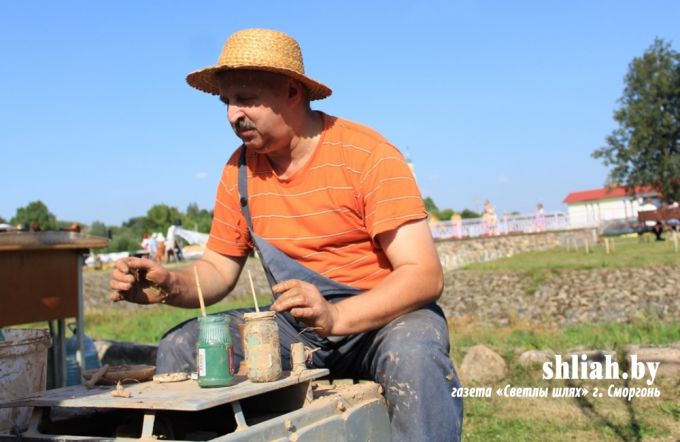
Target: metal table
pixel 287 409
pixel 291 408
pixel 41 280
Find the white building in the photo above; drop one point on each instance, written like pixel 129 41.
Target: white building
pixel 591 207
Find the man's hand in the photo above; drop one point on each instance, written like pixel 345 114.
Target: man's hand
pixel 138 280
pixel 304 302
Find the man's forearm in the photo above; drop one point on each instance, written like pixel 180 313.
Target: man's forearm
pixel 404 290
pixel 216 279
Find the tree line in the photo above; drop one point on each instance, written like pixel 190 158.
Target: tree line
pixel 128 236
pixel 446 214
pixel 124 238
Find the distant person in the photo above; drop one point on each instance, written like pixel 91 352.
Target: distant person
pixel 489 219
pixel 160 248
pixel 657 230
pixel 35 227
pixel 145 243
pixel 457 225
pixel 650 225
pixel 153 246
pixel 170 245
pixel 178 250
pixel 539 220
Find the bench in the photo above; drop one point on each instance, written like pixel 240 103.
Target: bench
pixel 659 215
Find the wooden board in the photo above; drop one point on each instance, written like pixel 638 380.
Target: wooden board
pixel 13 241
pixel 39 275
pixel 38 286
pixel 182 396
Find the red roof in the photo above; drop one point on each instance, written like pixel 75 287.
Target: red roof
pixel 604 193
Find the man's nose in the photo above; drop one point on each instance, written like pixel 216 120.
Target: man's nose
pixel 234 113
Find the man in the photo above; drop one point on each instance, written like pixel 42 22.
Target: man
pixel 655 227
pixel 336 216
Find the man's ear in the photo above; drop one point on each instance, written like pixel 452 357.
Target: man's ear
pixel 294 88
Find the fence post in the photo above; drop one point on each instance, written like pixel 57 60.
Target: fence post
pixel 587 246
pixel 675 241
pixel 606 246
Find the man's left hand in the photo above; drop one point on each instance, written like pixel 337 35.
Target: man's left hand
pixel 304 302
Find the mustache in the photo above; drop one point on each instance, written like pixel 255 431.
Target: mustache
pixel 243 123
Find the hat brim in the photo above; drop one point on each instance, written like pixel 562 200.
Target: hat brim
pixel 205 80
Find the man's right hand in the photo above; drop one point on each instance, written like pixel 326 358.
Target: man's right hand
pixel 139 280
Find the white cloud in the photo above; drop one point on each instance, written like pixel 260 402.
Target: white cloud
pixel 200 175
pixel 503 179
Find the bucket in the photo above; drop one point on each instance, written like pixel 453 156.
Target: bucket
pixel 23 370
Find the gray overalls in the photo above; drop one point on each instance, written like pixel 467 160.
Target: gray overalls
pixel 409 356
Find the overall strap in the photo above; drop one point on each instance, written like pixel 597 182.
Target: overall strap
pixel 243 193
pixel 243 187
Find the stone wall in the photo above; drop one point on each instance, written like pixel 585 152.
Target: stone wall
pixel 564 297
pixel 457 253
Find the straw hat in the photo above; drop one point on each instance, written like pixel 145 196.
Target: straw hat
pixel 259 49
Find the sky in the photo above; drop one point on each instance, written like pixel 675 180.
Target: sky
pixel 493 100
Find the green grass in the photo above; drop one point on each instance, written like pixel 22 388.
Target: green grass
pixel 148 324
pixel 557 419
pixel 629 253
pixel 527 336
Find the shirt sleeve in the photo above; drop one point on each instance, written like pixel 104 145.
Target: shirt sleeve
pixel 390 192
pixel 229 231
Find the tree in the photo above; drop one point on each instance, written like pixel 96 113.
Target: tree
pixel 197 219
pixel 645 148
pixel 430 205
pixel 35 212
pixel 98 228
pixel 446 214
pixel 468 214
pixel 2 220
pixel 161 216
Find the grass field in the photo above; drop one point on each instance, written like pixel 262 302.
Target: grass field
pixel 558 419
pixel 629 252
pixel 147 325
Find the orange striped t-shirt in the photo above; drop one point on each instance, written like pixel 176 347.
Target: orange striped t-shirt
pixel 326 216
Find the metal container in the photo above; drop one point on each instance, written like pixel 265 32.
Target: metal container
pixel 262 346
pixel 215 353
pixel 23 368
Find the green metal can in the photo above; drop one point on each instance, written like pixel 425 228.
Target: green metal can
pixel 215 353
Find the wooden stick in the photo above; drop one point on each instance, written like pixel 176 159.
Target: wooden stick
pixel 96 376
pixel 606 245
pixel 252 289
pixel 200 293
pixel 675 241
pixel 587 245
pixel 298 357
